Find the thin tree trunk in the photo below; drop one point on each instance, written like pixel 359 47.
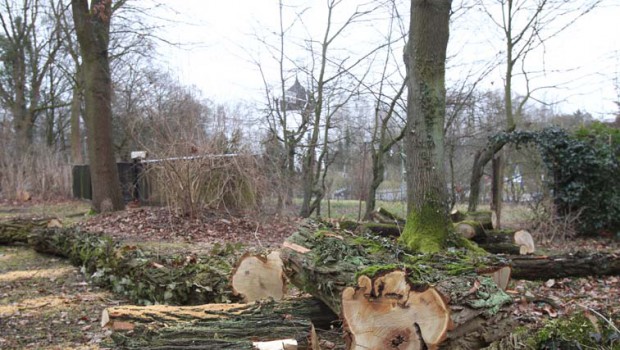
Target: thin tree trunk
pixel 377 178
pixel 497 187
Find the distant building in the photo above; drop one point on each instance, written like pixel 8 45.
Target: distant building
pixel 297 97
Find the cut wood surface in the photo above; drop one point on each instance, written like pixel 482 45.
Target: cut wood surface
pixel 478 309
pixel 525 242
pixel 469 229
pixel 218 326
pixel 384 312
pixel 259 277
pixel 501 276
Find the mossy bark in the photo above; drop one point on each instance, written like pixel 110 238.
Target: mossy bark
pixel 426 230
pixel 230 327
pixel 16 231
pixel 425 55
pixel 324 262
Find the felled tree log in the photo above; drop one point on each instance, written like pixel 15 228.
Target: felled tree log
pixel 325 264
pixel 506 242
pixel 469 229
pixel 496 242
pixel 579 264
pixel 215 326
pixel 128 317
pixel 16 231
pixel 384 216
pixel 147 277
pixel 485 218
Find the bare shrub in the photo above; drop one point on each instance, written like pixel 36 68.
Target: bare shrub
pixel 205 180
pixel 548 226
pixel 41 172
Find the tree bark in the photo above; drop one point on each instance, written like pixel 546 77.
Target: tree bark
pixel 325 264
pixel 425 56
pixel 16 231
pixel 580 264
pixel 215 326
pixel 125 316
pixel 92 27
pixel 497 187
pixel 77 156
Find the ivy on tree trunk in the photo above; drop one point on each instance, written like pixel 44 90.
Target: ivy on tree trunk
pixel 425 55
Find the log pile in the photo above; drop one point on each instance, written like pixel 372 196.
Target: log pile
pixel 386 297
pixel 390 299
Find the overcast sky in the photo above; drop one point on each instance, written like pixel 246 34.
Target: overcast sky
pixel 220 43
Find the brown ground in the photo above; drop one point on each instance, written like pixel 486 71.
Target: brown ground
pixel 45 303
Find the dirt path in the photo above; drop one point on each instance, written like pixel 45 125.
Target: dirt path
pixel 45 303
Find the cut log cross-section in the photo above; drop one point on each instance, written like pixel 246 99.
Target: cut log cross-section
pixel 259 277
pixel 385 313
pixel 525 242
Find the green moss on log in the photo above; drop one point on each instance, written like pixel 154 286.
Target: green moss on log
pixel 374 270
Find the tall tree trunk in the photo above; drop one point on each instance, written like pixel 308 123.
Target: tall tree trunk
pixel 76 109
pixel 93 31
pixel 427 219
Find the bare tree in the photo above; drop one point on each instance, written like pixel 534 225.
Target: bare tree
pixel 330 86
pixel 328 95
pixel 525 26
pixel 29 42
pixel 280 110
pixel 386 132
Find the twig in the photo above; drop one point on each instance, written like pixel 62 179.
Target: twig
pixel 609 322
pixel 256 236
